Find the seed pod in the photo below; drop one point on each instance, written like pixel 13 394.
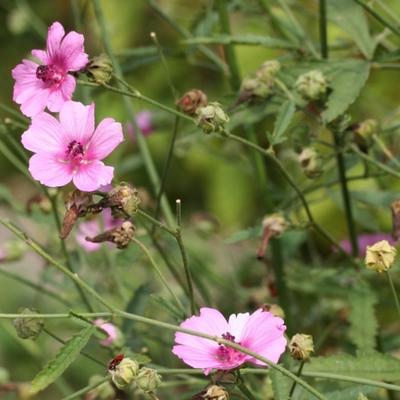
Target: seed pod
pixel 301 346
pixel 26 327
pixel 99 69
pixel 213 392
pixel 211 118
pixel 148 380
pixel 121 235
pixel 380 256
pixel 124 372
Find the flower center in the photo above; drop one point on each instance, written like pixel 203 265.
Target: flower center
pixel 49 74
pixel 75 151
pixel 227 354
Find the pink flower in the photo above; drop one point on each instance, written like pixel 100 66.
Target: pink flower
pixel 49 84
pixel 93 227
pixel 144 122
pixel 110 329
pixel 71 148
pixel 260 332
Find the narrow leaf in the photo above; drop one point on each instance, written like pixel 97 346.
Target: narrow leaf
pixel 282 122
pixel 62 360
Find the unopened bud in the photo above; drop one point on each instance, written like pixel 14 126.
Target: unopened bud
pixel 380 256
pixel 123 200
pixel 254 87
pixel 268 70
pixel 213 392
pixel 211 118
pixel 273 226
pixel 366 129
pixel 312 85
pixel 301 346
pixel 311 163
pixel 104 391
pixel 12 250
pixel 148 380
pixel 395 207
pixel 121 235
pixel 27 327
pixel 123 372
pixel 99 69
pixel 191 101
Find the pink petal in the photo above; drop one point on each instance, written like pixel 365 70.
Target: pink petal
pixel 78 120
pixel 54 36
pixel 196 358
pixel 41 55
pixel 49 171
pixel 237 324
pixel 105 139
pixel 36 103
pixel 72 52
pixel 61 94
pixel 44 135
pixel 91 176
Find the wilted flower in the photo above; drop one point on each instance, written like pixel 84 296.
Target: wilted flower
pixel 104 391
pixel 211 118
pixel 310 162
pixel 71 149
pixel 124 372
pixel 301 346
pixel 192 100
pixel 121 235
pixel 50 84
pixel 99 69
pixel 213 392
pixel 312 85
pixel 148 380
pixel 113 333
pixel 273 226
pixel 380 256
pixel 26 327
pixel 260 332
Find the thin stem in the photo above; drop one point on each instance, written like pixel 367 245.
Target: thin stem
pixel 160 274
pixel 338 140
pixel 229 49
pixel 323 36
pixel 385 150
pixel 86 389
pixel 245 390
pixel 156 222
pixel 393 289
pixel 293 387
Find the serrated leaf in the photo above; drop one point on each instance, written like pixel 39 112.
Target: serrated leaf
pixel 350 17
pixel 375 366
pixel 280 385
pixel 283 119
pixel 363 324
pixel 346 81
pixel 64 358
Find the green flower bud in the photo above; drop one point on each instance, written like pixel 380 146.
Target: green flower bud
pixel 253 87
pixel 124 373
pixel 104 391
pixel 301 346
pixel 310 162
pixel 380 256
pixel 211 118
pixel 26 327
pixel 268 70
pixel 312 85
pixel 148 380
pixel 100 69
pixel 123 200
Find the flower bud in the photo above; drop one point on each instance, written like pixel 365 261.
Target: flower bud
pixel 366 129
pixel 191 101
pixel 310 162
pixel 99 69
pixel 123 200
pixel 124 372
pixel 213 392
pixel 12 250
pixel 380 256
pixel 312 85
pixel 104 391
pixel 211 118
pixel 268 70
pixel 301 346
pixel 114 335
pixel 255 88
pixel 26 327
pixel 121 235
pixel 148 380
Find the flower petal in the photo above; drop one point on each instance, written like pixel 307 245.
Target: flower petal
pixel 61 94
pixel 72 51
pixel 41 55
pixel 77 120
pixel 45 135
pixel 91 176
pixel 54 36
pixel 105 139
pixel 36 103
pixel 237 324
pixel 49 171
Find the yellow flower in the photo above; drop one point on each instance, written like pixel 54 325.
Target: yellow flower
pixel 380 256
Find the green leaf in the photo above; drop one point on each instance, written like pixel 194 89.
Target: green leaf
pixel 363 324
pixel 280 384
pixel 377 366
pixel 351 393
pixel 62 360
pixel 346 79
pixel 282 122
pixel 350 17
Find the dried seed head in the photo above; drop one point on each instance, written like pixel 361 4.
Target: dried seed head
pixel 121 235
pixel 191 101
pixel 213 392
pixel 124 373
pixel 26 327
pixel 310 162
pixel 100 69
pixel 301 346
pixel 148 380
pixel 211 118
pixel 123 200
pixel 312 85
pixel 380 256
pixel 273 226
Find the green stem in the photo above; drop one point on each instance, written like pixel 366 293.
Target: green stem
pixel 385 149
pixel 156 222
pixel 393 289
pixel 229 49
pixel 323 36
pixel 141 141
pixel 293 387
pixel 338 140
pixel 245 390
pixel 87 389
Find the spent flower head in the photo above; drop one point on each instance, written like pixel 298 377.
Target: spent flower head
pixel 301 346
pixel 121 235
pixel 99 69
pixel 213 392
pixel 192 100
pixel 380 256
pixel 50 84
pixel 211 118
pixel 148 380
pixel 27 327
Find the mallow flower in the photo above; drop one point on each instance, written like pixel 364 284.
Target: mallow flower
pixel 260 332
pixel 48 83
pixel 71 149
